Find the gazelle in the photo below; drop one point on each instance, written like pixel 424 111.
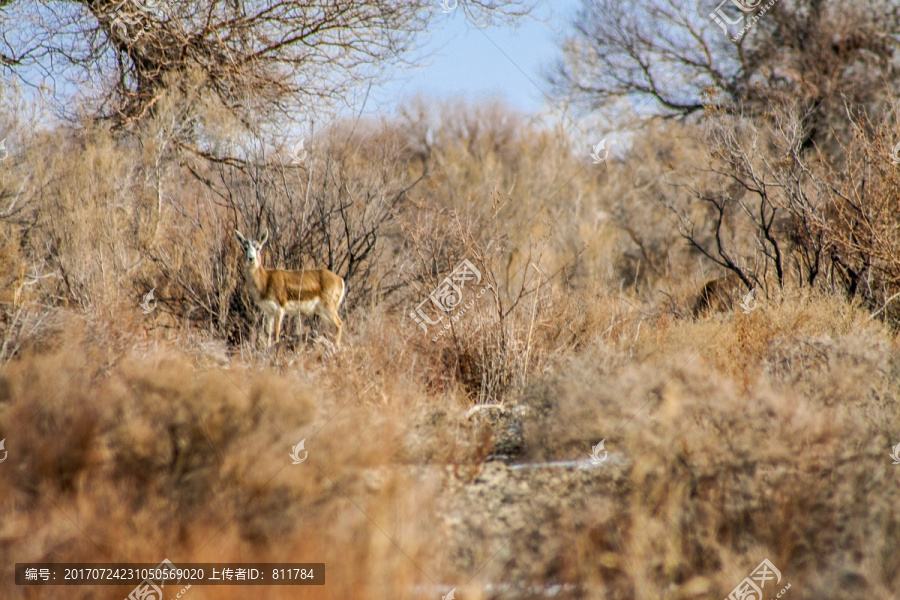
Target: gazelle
pixel 278 292
pixel 716 296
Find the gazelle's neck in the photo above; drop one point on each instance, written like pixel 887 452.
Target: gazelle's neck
pixel 257 277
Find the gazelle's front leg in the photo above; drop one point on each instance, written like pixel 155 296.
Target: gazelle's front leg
pixel 270 324
pixel 278 326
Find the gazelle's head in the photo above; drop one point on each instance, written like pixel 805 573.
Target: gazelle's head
pixel 252 247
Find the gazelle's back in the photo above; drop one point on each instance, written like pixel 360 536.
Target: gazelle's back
pixel 306 288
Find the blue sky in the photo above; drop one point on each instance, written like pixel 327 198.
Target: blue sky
pixel 501 60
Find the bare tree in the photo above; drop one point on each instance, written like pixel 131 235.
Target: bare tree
pixel 257 58
pixel 815 56
pixel 771 214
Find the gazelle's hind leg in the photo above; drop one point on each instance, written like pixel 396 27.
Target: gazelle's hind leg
pixel 328 313
pixel 338 325
pixel 298 326
pixel 333 314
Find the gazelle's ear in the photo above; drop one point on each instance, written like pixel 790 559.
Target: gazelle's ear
pixel 239 237
pixel 264 238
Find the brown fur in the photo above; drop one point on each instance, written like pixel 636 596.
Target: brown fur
pixel 716 296
pixel 284 286
pixel 280 287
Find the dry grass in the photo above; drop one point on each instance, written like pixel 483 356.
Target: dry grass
pixel 134 437
pixel 761 435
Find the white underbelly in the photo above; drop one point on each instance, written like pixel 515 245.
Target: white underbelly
pixel 292 307
pixel 302 307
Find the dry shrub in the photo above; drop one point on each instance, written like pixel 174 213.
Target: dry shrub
pixel 138 212
pixel 152 456
pixel 753 436
pixel 732 438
